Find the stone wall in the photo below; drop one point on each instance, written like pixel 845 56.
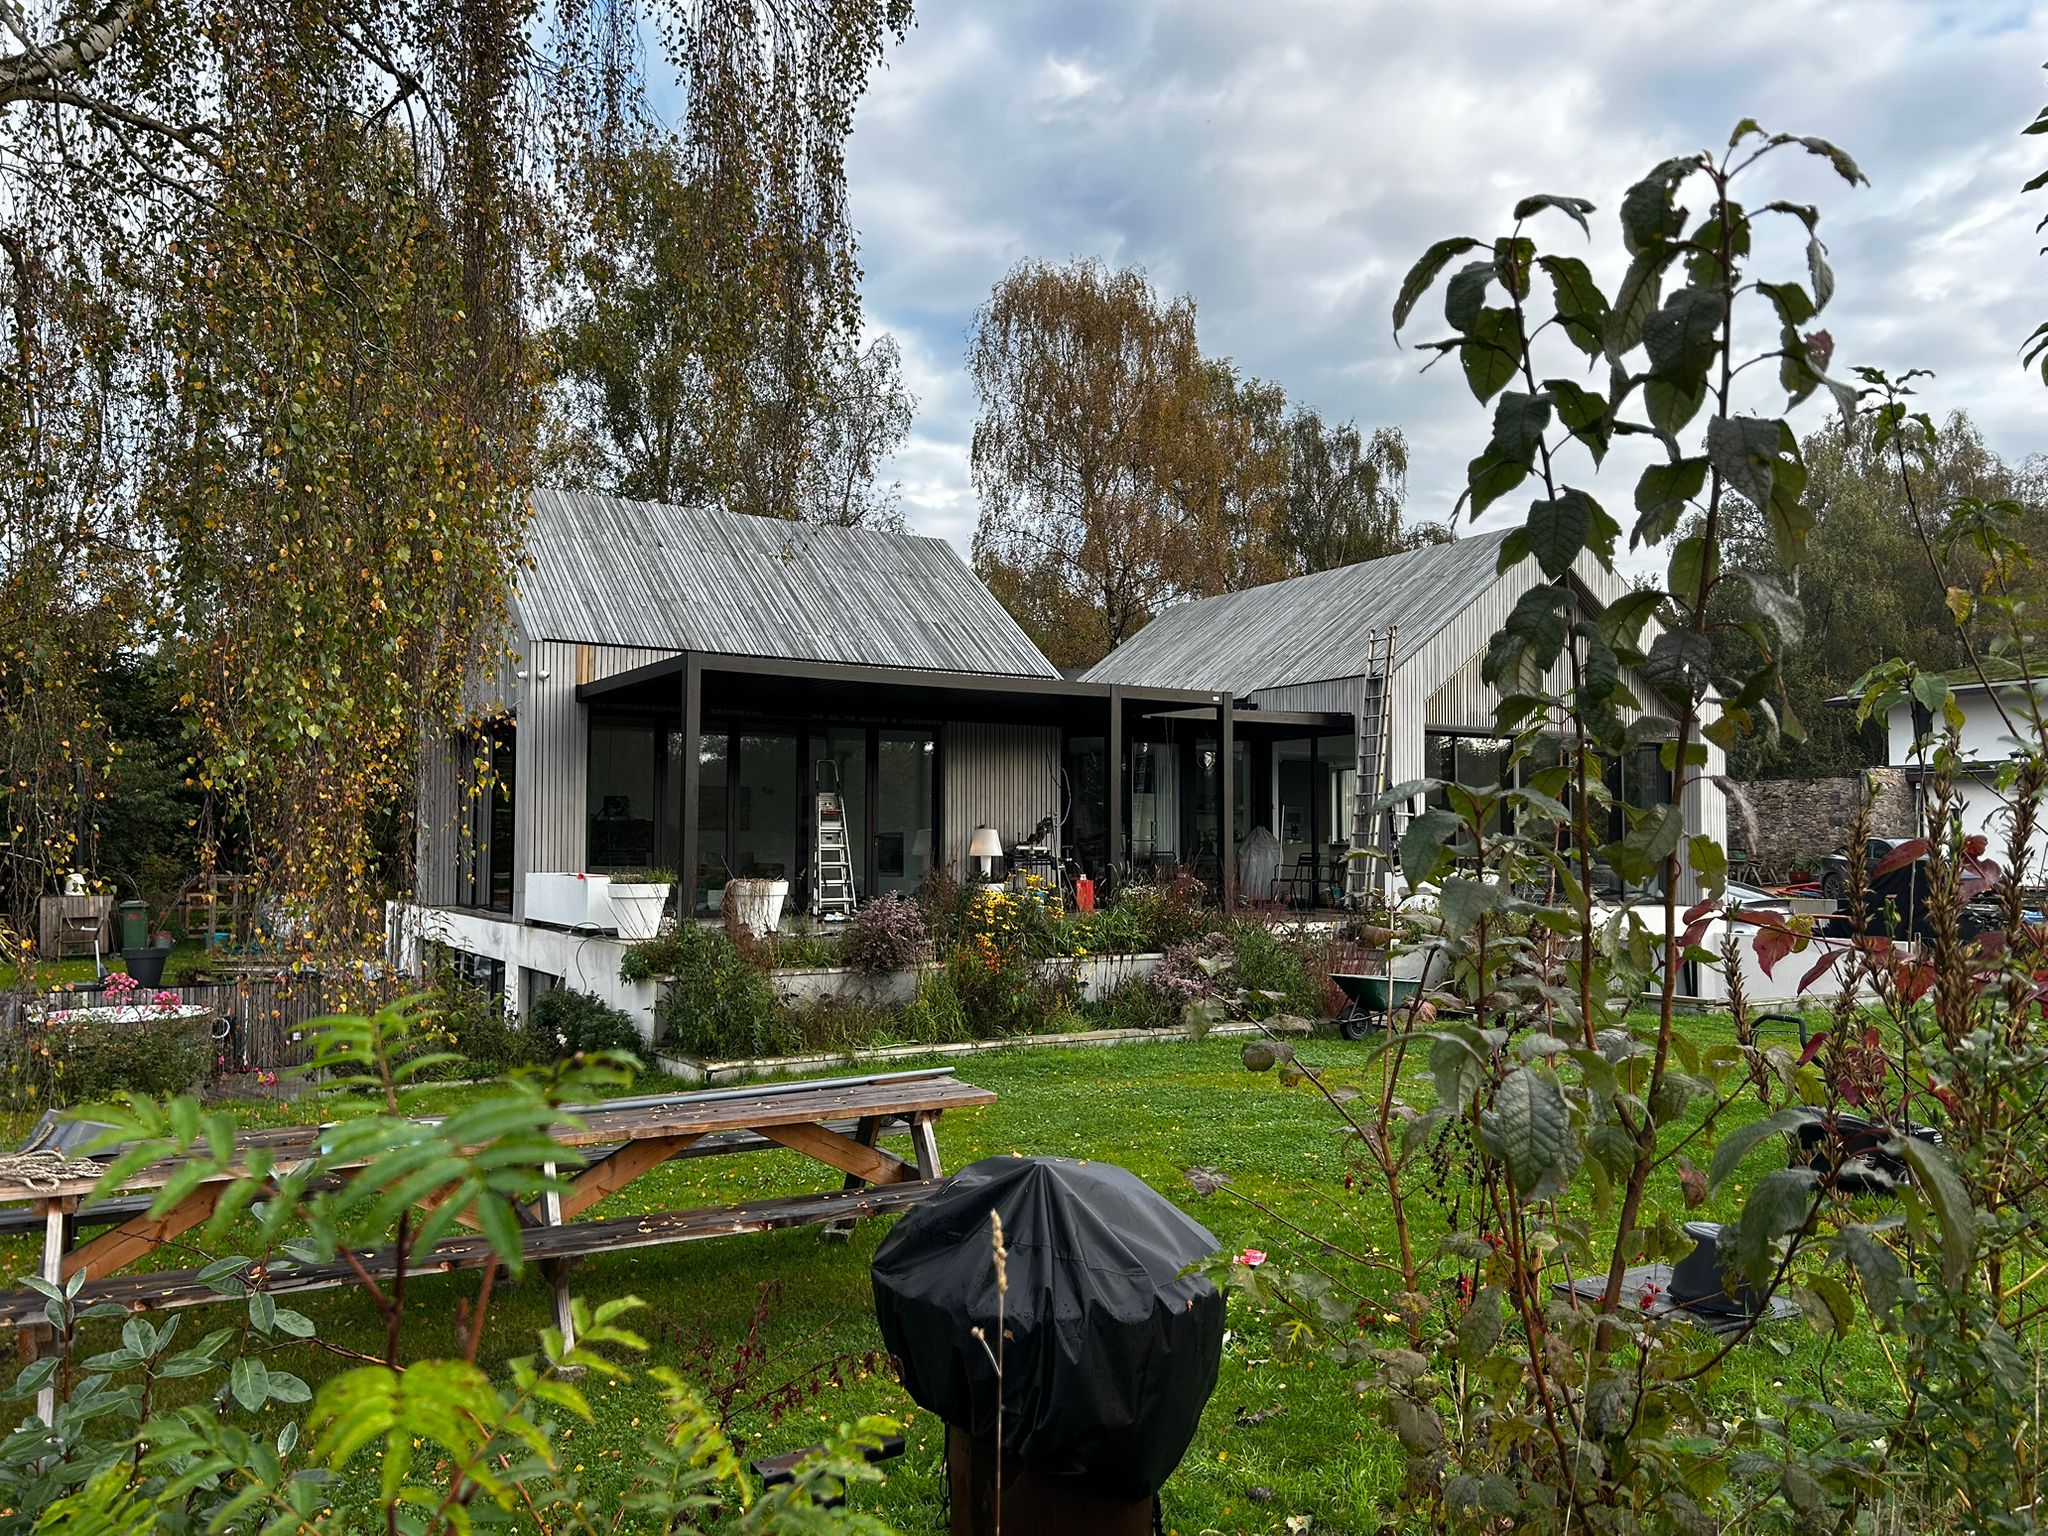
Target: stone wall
pixel 1779 822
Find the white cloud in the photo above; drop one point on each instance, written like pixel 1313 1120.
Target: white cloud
pixel 1286 162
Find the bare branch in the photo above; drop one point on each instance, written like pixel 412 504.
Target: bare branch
pixel 39 65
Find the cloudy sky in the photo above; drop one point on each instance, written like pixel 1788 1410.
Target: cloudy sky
pixel 1285 161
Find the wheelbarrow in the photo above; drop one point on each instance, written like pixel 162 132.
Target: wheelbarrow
pixel 1369 999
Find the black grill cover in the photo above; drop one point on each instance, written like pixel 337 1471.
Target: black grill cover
pixel 1110 1354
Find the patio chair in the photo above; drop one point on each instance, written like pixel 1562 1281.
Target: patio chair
pixel 1296 884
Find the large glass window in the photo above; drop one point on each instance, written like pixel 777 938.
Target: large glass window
pixel 842 764
pixel 713 752
pixel 1155 801
pixel 906 774
pixel 504 795
pixel 1294 795
pixel 624 811
pixel 765 818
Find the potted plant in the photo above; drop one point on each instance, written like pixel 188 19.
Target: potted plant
pixel 638 898
pixel 147 965
pixel 757 904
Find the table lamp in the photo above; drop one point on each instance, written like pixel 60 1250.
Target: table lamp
pixel 986 847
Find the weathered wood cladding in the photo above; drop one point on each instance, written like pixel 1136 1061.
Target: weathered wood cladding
pixel 1002 776
pixel 551 826
pixel 437 829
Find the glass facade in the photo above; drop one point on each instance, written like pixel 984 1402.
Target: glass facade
pixel 905 810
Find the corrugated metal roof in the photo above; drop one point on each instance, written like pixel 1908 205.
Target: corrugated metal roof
pixel 612 572
pixel 1306 629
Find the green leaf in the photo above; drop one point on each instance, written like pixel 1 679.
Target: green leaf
pixel 1558 530
pixel 1584 414
pixel 297 1324
pixel 249 1382
pixel 1671 403
pixel 1886 1285
pixel 1945 1193
pixel 1652 839
pixel 1745 450
pixel 1743 1139
pixel 1511 258
pixel 1777 607
pixel 1492 352
pixel 1465 295
pixel 1581 306
pixel 1794 307
pixel 1828 1305
pixel 1461 903
pixel 1777 1207
pixel 1424 273
pixel 1575 208
pixel 1479 1330
pixel 1491 476
pixel 1519 422
pixel 1636 300
pixel 1820 272
pixel 1661 495
pixel 1708 862
pixel 1426 842
pixel 1648 216
pixel 1533 636
pixel 1684 336
pixel 1529 1129
pixel 1844 166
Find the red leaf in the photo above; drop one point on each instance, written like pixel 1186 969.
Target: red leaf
pixel 1705 906
pixel 1898 858
pixel 1914 978
pixel 1812 1048
pixel 1829 958
pixel 1773 945
pixel 1763 917
pixel 1694 931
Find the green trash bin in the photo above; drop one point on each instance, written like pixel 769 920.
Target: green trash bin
pixel 134 925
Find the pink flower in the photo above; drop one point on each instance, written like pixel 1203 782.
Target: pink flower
pixel 165 999
pixel 1252 1258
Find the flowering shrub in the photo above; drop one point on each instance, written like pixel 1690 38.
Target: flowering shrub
pixel 1193 971
pixel 1171 911
pixel 85 1058
pixel 563 1022
pixel 887 934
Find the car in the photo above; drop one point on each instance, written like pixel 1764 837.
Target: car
pixel 1834 869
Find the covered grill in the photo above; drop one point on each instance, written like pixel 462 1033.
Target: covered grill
pixel 1109 1352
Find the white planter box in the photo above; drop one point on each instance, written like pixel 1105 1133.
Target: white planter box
pixel 569 901
pixel 757 904
pixel 637 909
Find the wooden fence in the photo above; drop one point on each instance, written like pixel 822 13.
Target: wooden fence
pixel 258 1024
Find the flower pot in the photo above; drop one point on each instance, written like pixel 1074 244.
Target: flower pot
pixel 569 900
pixel 757 904
pixel 637 908
pixel 147 965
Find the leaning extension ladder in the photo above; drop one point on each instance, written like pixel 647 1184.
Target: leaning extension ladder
pixel 832 892
pixel 1371 829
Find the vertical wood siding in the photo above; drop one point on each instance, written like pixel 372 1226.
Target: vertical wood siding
pixel 1003 776
pixel 437 831
pixel 550 824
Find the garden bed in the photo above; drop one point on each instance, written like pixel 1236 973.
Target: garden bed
pixel 696 1069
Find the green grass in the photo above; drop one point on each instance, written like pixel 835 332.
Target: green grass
pixel 1279 1438
pixel 186 958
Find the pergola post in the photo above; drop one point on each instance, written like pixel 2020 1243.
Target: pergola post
pixel 693 772
pixel 1114 772
pixel 1226 778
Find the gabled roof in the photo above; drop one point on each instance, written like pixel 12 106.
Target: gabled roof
pixel 613 572
pixel 1309 628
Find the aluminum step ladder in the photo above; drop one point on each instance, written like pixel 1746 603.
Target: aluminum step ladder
pixel 1372 832
pixel 832 894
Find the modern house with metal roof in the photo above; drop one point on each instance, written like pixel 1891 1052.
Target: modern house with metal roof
pixel 1390 651
pixel 686 682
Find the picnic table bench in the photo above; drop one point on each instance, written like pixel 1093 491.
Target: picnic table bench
pixel 838 1122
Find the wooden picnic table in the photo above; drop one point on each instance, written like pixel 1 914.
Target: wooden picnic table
pixel 839 1123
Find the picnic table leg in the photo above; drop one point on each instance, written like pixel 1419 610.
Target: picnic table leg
pixel 865 1132
pixel 557 1270
pixel 57 1228
pixel 925 1139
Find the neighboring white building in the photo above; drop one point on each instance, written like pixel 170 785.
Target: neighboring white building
pixel 1987 745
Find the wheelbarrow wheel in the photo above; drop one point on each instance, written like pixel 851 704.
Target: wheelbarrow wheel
pixel 1354 1023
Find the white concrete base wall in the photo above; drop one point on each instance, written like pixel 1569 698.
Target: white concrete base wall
pixel 583 961
pixel 589 963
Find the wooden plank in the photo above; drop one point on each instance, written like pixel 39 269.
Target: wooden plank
pixel 139 1235
pixel 924 1137
pixel 614 1173
pixel 181 1288
pixel 841 1152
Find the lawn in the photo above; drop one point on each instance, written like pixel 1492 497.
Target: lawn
pixel 1280 1437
